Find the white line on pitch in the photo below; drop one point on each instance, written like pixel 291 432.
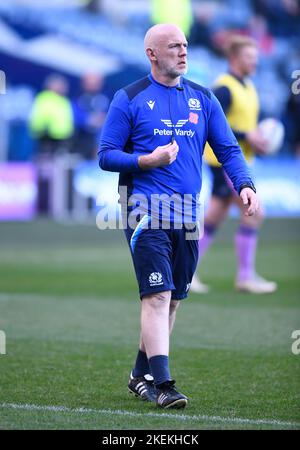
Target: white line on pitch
pixel 30 407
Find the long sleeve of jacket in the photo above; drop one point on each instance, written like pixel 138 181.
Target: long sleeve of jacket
pixel 114 138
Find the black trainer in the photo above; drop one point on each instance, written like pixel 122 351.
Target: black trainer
pixel 169 397
pixel 143 387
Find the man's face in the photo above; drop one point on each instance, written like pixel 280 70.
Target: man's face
pixel 59 86
pixel 247 59
pixel 171 54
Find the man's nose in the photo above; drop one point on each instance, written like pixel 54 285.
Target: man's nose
pixel 183 50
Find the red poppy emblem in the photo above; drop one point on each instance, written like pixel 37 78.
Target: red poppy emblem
pixel 193 118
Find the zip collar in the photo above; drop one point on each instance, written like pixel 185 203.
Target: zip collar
pixel 152 79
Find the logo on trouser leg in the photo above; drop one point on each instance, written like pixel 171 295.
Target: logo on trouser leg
pixel 155 279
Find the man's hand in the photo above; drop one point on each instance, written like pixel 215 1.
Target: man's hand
pixel 250 201
pixel 163 155
pixel 257 141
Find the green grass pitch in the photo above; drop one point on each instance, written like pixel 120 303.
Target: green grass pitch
pixel 70 312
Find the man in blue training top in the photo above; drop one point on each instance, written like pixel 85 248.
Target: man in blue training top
pixel 154 135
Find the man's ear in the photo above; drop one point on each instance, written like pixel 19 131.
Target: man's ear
pixel 151 54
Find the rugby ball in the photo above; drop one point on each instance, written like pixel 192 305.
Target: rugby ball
pixel 273 132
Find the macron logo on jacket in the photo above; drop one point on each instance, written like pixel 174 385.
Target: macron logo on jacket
pixel 151 104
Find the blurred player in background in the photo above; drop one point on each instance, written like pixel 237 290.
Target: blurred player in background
pixel 239 100
pixel 52 125
pixel 89 110
pixel 138 140
pixel 180 15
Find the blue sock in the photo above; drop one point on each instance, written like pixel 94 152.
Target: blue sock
pixel 159 366
pixel 141 367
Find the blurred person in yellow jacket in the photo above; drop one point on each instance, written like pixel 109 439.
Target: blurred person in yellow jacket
pixel 52 125
pixel 239 100
pixel 51 121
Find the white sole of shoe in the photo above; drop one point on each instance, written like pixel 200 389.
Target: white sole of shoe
pixel 255 291
pixel 200 290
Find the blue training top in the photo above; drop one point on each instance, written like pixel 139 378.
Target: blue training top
pixel 145 115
